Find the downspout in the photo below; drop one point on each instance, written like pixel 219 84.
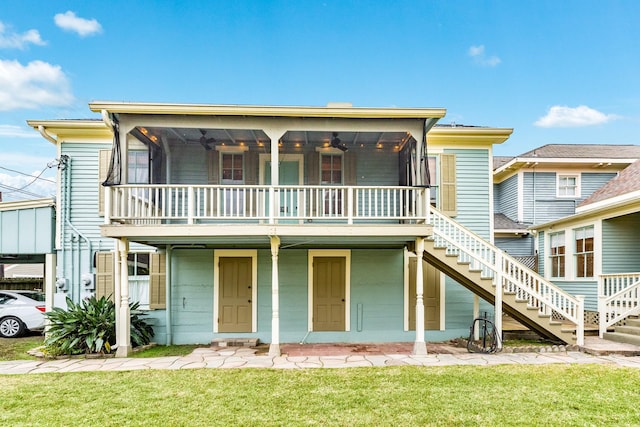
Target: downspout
pixel 67 192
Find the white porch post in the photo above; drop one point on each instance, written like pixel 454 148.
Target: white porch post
pixel 419 347
pixel 274 198
pixel 274 348
pixel 123 332
pixel 580 325
pixel 476 314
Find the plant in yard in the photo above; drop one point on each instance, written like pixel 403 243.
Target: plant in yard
pixel 90 327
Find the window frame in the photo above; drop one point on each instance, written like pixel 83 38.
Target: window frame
pixel 584 260
pixel 560 186
pixel 557 260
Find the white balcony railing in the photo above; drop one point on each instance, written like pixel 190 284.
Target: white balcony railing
pixel 618 297
pixel 192 204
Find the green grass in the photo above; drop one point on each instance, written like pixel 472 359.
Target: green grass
pixel 16 348
pixel 567 395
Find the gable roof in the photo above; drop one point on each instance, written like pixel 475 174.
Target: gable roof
pixel 584 151
pixel 627 181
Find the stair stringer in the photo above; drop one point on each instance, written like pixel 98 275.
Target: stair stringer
pixel 485 289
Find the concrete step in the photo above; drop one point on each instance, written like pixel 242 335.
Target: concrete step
pixel 631 330
pixel 633 321
pixel 623 338
pixel 234 342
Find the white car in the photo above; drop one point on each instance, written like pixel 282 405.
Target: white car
pixel 21 311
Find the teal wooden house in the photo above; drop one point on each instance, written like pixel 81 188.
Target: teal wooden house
pixel 290 224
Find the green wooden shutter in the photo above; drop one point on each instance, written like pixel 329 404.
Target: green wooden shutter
pixel 251 168
pixel 104 157
pixel 157 281
pixel 448 200
pixel 350 168
pixel 313 168
pixel 105 283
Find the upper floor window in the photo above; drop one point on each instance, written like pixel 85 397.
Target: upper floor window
pixel 584 251
pixel 568 186
pixel 232 168
pixel 138 167
pixel 331 169
pixel 557 254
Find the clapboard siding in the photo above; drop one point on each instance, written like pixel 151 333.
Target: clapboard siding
pixel 516 246
pixel 541 253
pixel 507 200
pixel 473 184
pixel 589 289
pixel 590 182
pixel 620 244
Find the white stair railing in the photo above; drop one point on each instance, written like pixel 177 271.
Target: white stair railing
pixel 515 277
pixel 618 298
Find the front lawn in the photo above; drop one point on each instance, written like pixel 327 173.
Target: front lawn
pixel 396 396
pixel 16 348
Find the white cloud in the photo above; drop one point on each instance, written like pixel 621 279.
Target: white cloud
pixel 19 41
pixel 480 58
pixel 20 187
pixel 13 131
pixel 70 22
pixel 33 85
pixel 560 116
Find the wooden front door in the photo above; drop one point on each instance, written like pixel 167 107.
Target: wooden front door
pixel 329 293
pixel 234 299
pixel 431 295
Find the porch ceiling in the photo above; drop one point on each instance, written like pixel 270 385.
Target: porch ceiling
pixel 243 235
pixel 257 137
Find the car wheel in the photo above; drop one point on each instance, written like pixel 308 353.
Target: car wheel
pixel 11 327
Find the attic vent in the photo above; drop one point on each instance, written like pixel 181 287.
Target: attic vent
pixel 339 105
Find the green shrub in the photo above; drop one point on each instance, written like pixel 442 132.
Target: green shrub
pixel 90 327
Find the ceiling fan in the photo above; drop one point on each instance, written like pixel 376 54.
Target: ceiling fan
pixel 204 141
pixel 336 143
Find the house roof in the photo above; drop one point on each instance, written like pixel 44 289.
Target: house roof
pixel 500 160
pixel 627 181
pixel 593 156
pixel 502 223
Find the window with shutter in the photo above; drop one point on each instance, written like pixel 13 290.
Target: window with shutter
pixel 157 281
pixel 448 186
pixel 105 284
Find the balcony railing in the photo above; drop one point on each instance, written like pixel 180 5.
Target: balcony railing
pixel 194 204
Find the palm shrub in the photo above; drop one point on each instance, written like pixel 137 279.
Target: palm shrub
pixel 90 327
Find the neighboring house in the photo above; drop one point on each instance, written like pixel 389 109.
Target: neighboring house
pixel 546 184
pixel 288 224
pixel 595 251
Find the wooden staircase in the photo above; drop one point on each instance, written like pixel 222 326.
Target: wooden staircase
pixel 486 270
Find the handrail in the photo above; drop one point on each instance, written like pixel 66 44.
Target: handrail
pixel 505 270
pixel 151 204
pixel 618 298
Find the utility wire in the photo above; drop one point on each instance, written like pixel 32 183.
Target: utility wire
pixel 31 182
pixel 26 174
pixel 18 190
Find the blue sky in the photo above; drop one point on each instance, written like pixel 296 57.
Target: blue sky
pixel 555 71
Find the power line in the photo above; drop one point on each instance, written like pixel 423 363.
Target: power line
pixel 32 181
pixel 20 190
pixel 26 174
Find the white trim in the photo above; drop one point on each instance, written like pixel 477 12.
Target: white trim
pixel 573 174
pixel 407 255
pixel 223 253
pixel 520 196
pixel 345 253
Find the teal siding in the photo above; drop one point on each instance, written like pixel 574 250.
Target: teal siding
pixel 620 238
pixel 27 231
pixel 376 168
pixel 540 201
pixel 473 181
pixel 507 199
pixel 189 165
pixel 516 246
pixel 587 288
pixel 192 296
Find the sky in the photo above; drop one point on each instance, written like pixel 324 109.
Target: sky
pixel 557 72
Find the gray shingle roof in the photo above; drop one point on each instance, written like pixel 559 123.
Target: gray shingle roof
pixel 626 182
pixel 500 160
pixel 585 151
pixel 502 222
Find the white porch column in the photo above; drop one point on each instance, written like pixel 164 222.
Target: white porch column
pixel 274 348
pixel 123 321
pixel 497 321
pixel 274 198
pixel 476 314
pixel 419 347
